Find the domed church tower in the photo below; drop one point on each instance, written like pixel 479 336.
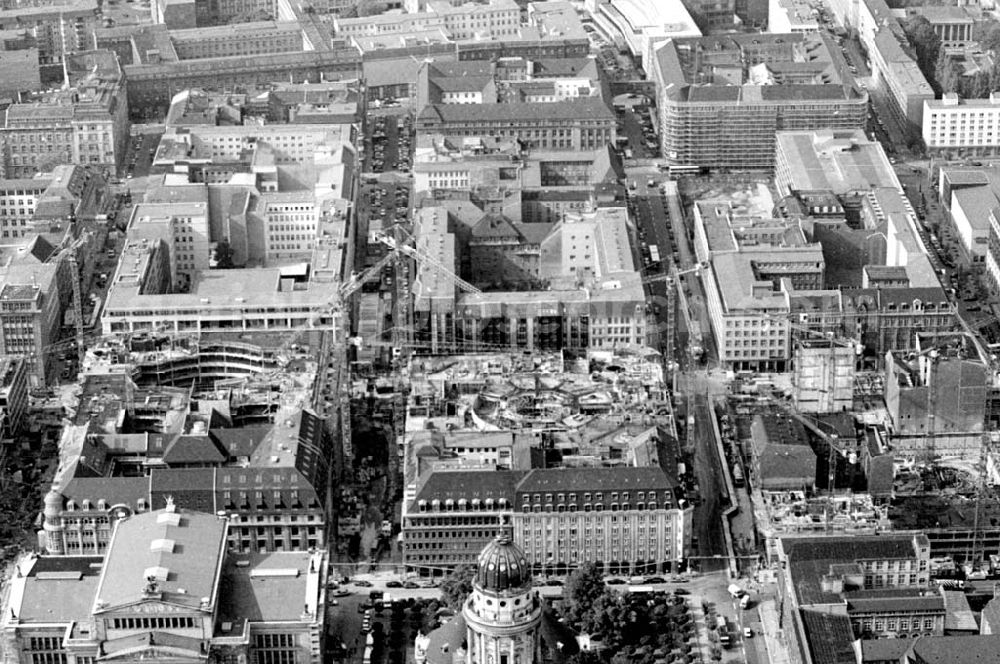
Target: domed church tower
pixel 502 615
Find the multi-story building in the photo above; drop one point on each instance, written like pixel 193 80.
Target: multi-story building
pixel 722 98
pixel 754 266
pixel 962 126
pixel 590 249
pixel 183 226
pixel 644 24
pixel 18 198
pixel 241 39
pixel 823 377
pixel 896 613
pixel 84 124
pixel 55 28
pixel 624 518
pixel 167 584
pixel 936 402
pixel 785 16
pixel 842 162
pixel 895 72
pixel 270 476
pixel 13 395
pixel 627 519
pixel 572 125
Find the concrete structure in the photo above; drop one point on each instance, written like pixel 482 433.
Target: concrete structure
pixel 84 124
pixel 823 376
pixel 962 126
pixel 19 70
pixel 166 586
pixel 723 111
pixel 937 402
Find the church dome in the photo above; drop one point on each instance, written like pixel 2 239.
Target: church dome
pixel 502 566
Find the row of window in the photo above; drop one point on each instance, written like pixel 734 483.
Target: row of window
pixel 169 622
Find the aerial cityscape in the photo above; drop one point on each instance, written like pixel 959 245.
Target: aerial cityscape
pixel 500 331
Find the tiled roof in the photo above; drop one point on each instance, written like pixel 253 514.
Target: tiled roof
pixel 585 109
pixel 881 547
pixel 595 479
pixel 454 485
pixel 883 650
pixel 830 637
pixel 978 649
pixel 192 449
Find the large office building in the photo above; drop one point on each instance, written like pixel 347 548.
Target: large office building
pixel 625 519
pixel 962 126
pixel 561 109
pixel 167 587
pixel 722 98
pixel 86 123
pixel 567 284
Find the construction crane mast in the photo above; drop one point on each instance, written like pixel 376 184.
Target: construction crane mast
pixel 673 279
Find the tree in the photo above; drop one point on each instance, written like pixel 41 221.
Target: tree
pixel 583 586
pixel 987 33
pixel 224 256
pixel 457 586
pixel 924 41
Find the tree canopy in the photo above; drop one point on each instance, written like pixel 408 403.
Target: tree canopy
pixel 924 41
pixel 456 587
pixel 583 587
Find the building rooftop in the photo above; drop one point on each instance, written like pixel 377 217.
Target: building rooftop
pixel 170 553
pixel 837 161
pixel 978 649
pixel 56 589
pixel 830 637
pixel 269 587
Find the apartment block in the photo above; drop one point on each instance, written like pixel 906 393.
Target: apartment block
pixel 787 16
pixel 722 98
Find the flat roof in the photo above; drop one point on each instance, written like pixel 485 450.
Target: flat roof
pixel 57 589
pixel 837 161
pixel 269 587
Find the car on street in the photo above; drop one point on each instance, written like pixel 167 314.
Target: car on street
pixel 361 583
pixel 553 582
pixel 411 585
pixel 615 582
pixel 655 579
pixel 393 584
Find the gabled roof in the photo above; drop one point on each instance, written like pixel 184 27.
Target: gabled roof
pixel 182 550
pixel 193 449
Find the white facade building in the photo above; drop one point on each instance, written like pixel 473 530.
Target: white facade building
pixel 951 122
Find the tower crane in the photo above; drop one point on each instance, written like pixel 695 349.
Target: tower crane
pixel 69 254
pixel 673 279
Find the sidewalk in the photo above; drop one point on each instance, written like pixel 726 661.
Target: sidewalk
pixel 774 637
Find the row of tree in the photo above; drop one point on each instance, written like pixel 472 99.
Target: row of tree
pixel 943 71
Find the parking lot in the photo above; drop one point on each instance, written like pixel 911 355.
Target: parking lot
pixel 635 126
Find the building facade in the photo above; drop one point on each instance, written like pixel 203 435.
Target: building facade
pixel 166 588
pixel 962 126
pixel 624 519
